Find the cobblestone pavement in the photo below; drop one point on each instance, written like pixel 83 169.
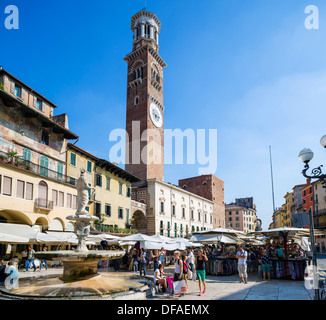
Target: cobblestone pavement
pixel 225 288
pixel 229 288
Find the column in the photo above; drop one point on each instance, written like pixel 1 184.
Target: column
pixel 142 30
pixel 151 32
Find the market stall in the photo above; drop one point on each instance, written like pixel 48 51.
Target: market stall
pixel 289 251
pixel 221 247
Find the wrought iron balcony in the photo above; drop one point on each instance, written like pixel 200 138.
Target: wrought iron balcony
pixel 35 168
pixel 43 204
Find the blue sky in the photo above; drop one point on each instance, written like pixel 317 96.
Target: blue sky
pixel 249 69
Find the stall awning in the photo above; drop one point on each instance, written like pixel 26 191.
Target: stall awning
pixel 16 229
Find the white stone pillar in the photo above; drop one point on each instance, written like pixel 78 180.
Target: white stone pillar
pixel 135 34
pixel 142 30
pixel 151 32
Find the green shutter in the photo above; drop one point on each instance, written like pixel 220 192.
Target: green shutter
pixel 89 166
pixel 72 159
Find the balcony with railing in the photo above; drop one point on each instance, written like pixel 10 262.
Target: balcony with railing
pixel 29 166
pixel 43 205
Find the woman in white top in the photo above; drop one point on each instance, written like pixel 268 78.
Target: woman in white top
pixel 159 277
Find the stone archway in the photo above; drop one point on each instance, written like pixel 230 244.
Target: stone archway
pixel 139 222
pixel 13 216
pixel 43 223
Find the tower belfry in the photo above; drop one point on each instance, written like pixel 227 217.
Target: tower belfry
pixel 145 110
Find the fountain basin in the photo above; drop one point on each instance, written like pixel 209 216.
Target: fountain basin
pixel 76 264
pixel 105 285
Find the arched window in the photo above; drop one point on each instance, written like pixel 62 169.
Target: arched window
pixel 42 194
pixel 27 155
pixel 44 166
pixel 136 100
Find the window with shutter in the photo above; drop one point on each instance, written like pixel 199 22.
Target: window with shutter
pixel 69 200
pixel 60 170
pixel 55 197
pixel 108 210
pixel 61 199
pixel 108 183
pixel 27 155
pixel 29 191
pixel 20 189
pixel 89 166
pixel 72 159
pixel 7 185
pixel 74 202
pixel 44 165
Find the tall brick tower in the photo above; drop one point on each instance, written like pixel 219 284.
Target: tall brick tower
pixel 145 119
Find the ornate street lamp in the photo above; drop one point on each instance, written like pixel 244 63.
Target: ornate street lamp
pixel 306 155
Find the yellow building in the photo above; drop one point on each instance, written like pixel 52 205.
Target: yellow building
pixel 290 208
pixel 34 189
pixel 284 217
pixel 112 199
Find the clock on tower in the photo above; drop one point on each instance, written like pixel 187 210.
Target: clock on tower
pixel 145 110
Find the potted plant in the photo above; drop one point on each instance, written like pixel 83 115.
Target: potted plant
pixel 12 155
pixel 3 158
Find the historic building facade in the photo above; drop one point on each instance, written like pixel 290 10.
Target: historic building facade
pixel 240 217
pixel 212 188
pixel 171 210
pixel 111 201
pixel 34 187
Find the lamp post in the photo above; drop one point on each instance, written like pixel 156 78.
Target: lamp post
pixel 306 155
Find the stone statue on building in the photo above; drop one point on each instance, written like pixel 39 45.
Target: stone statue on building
pixel 82 193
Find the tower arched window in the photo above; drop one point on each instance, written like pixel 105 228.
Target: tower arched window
pixel 136 101
pixel 138 73
pixel 147 31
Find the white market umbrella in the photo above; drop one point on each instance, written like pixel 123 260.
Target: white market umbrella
pixel 41 237
pixel 9 238
pixel 228 239
pixel 139 237
pixel 103 236
pixel 287 231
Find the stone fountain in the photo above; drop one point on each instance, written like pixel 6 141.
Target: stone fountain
pixel 81 262
pixel 80 278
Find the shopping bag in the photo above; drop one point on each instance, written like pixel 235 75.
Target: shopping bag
pixel 189 274
pixel 170 282
pixel 179 287
pixel 194 276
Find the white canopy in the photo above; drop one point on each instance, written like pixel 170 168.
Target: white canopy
pixel 68 237
pixel 9 238
pixel 289 232
pixel 139 237
pixel 209 238
pixel 149 245
pixel 41 237
pixel 102 236
pixel 16 229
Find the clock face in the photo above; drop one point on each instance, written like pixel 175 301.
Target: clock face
pixel 156 115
